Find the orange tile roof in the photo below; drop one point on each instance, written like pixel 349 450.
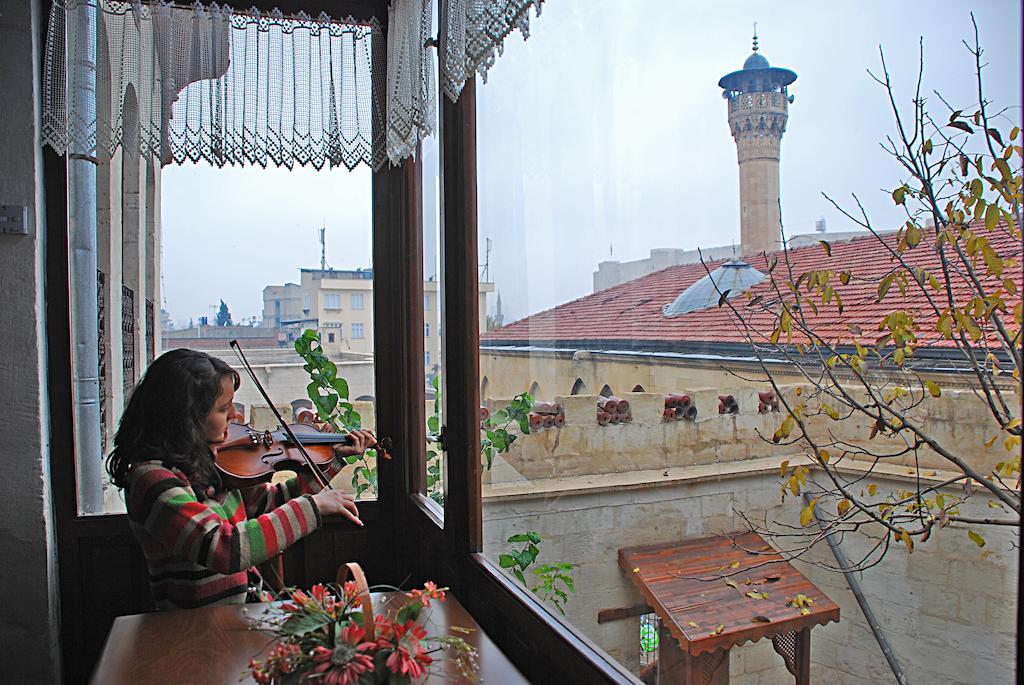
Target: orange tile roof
pixel 630 314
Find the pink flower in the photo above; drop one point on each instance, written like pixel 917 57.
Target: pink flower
pixel 430 591
pixel 408 656
pixel 324 597
pixel 350 658
pixel 319 592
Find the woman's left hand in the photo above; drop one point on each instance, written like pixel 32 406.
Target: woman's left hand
pixel 362 440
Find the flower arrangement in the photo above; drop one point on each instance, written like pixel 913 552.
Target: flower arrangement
pixel 330 636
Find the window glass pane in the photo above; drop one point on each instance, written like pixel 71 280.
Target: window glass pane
pixel 626 405
pixel 433 293
pixel 265 302
pixel 192 256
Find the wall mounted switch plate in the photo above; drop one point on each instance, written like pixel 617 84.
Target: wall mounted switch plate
pixel 14 219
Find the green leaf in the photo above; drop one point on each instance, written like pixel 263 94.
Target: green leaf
pixel 299 624
pixel 933 388
pixel 975 538
pixel 506 561
pixel 899 195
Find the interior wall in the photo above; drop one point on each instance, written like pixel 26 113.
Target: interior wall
pixel 29 623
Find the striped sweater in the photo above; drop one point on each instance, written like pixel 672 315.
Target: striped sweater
pixel 200 552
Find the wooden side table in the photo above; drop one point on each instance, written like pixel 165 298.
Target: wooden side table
pixel 714 593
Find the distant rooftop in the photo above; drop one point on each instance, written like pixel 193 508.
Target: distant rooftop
pixel 630 316
pixel 346 274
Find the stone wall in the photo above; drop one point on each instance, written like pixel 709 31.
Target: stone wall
pixel 948 608
pixel 29 629
pixel 285 382
pixel 583 447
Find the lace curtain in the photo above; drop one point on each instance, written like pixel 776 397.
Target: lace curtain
pixel 211 83
pixel 475 32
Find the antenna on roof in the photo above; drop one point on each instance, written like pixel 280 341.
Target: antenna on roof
pixel 755 36
pixel 485 276
pixel 323 250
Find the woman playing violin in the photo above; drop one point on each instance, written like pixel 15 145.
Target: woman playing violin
pixel 202 540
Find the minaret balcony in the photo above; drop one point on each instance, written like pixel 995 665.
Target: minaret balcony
pixel 746 103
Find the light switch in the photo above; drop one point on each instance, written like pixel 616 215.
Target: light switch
pixel 14 219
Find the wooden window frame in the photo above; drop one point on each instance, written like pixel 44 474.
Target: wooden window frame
pixel 102 572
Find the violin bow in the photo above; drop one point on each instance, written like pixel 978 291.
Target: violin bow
pixel 320 478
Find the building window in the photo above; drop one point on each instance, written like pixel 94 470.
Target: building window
pixel 357 301
pixel 427 357
pixel 357 331
pixel 426 332
pixel 305 301
pixel 330 337
pixel 332 301
pixel 426 302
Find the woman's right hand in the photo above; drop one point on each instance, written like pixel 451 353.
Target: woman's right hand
pixel 336 502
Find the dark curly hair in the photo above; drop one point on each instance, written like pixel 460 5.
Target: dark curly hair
pixel 164 418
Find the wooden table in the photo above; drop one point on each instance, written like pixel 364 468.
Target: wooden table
pixel 213 645
pixel 699 589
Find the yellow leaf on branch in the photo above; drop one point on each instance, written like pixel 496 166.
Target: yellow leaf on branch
pixel 807 515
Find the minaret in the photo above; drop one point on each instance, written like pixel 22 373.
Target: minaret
pixel 758 111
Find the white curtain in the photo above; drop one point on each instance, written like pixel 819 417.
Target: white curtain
pixel 211 83
pixel 475 33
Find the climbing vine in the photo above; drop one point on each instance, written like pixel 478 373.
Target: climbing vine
pixel 329 394
pixel 556 580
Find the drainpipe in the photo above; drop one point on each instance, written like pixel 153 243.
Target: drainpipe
pixel 82 26
pixel 869 615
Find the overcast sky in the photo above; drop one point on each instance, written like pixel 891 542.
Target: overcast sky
pixel 604 136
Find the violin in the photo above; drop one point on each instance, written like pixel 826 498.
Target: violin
pixel 249 456
pixel 252 456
